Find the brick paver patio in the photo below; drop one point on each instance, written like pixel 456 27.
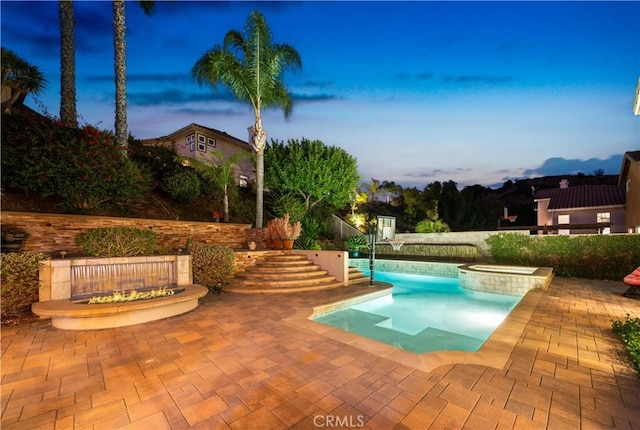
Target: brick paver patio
pixel 255 362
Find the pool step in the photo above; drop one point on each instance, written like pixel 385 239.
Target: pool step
pixel 283 273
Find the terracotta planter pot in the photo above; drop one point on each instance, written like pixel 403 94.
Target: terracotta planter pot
pixel 268 243
pixel 277 243
pixel 287 244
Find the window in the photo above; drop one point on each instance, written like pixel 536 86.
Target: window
pixel 202 147
pixel 604 217
pixel 211 142
pixel 191 141
pixel 201 139
pixel 564 219
pixel 243 181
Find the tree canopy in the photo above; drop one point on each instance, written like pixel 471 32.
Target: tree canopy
pixel 251 67
pixel 19 75
pixel 312 170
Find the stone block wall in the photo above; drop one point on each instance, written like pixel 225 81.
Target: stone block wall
pixel 57 232
pixel 475 238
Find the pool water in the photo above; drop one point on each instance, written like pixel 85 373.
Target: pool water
pixel 424 314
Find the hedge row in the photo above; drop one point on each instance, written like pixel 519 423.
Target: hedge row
pixel 581 256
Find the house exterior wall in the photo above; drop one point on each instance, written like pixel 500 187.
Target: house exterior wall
pixel 543 214
pixel 199 143
pixel 589 216
pixel 633 199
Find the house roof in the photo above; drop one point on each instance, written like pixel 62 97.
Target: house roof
pixel 631 157
pixel 582 196
pixel 193 126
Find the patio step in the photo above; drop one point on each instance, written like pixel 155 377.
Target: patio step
pixel 356 276
pixel 283 273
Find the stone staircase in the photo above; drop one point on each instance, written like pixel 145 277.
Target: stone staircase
pixel 287 273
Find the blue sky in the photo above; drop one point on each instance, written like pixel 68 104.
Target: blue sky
pixel 474 92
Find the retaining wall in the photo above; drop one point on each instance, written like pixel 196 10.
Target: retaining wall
pixel 57 232
pixel 476 238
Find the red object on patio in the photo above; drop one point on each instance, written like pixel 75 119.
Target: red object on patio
pixel 633 281
pixel 633 278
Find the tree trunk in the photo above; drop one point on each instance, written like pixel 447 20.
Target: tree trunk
pixel 68 112
pixel 120 65
pixel 259 187
pixel 225 203
pixel 258 142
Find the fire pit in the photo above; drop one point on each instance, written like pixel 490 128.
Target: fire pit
pixel 68 284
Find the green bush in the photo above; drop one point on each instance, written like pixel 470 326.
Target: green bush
pixel 212 265
pixel 355 243
pixel 581 256
pixel 183 186
pixel 117 241
pixel 432 226
pixel 306 242
pixel 629 332
pixel 157 160
pixel 19 282
pixel 83 167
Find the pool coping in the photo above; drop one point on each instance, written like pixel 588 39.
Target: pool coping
pixel 495 352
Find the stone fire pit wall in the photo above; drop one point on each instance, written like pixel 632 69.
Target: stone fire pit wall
pixel 56 279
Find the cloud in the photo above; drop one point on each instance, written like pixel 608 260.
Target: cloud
pixel 423 76
pixel 314 97
pixel 210 111
pixel 173 96
pixel 482 79
pixel 562 166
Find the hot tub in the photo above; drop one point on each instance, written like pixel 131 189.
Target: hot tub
pixel 512 280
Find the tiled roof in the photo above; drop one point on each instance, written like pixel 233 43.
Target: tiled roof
pixel 633 155
pixel 582 196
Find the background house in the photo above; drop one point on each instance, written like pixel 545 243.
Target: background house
pixel 199 142
pixel 581 209
pixel 629 179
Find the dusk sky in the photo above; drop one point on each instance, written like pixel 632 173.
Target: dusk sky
pixel 474 92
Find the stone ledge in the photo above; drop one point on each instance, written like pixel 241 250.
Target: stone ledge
pixel 68 315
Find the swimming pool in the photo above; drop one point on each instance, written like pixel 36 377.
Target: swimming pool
pixel 425 313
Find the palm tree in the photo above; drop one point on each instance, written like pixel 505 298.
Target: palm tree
pixel 390 189
pixel 251 67
pixel 20 76
pixel 120 66
pixel 221 175
pixel 68 112
pixel 374 189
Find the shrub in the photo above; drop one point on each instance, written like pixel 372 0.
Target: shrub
pixel 432 226
pixel 158 160
pixel 288 203
pixel 212 265
pixel 117 241
pixel 583 256
pixel 19 281
pixel 306 242
pixel 354 243
pixel 281 228
pixel 183 186
pixel 629 333
pixel 83 167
